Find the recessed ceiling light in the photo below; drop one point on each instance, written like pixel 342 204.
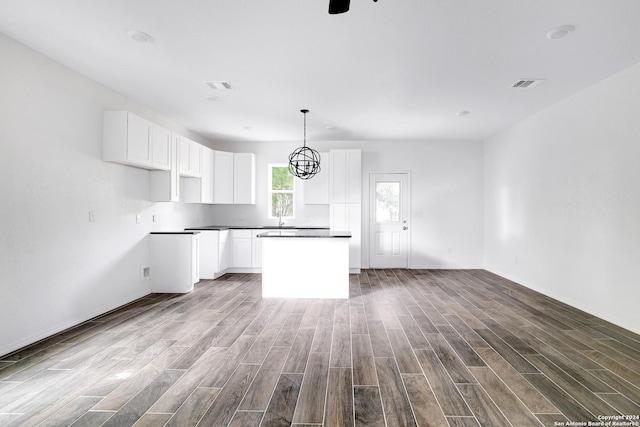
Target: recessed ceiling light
pixel 560 32
pixel 463 113
pixel 211 98
pixel 139 36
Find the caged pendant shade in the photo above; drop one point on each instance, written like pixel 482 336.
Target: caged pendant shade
pixel 304 162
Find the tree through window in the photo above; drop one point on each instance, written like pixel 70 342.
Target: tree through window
pixel 281 188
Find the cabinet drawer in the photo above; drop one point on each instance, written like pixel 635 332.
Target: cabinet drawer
pixel 240 234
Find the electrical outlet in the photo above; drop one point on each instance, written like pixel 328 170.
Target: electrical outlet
pixel 92 216
pixel 515 259
pixel 450 251
pixel 138 219
pixel 154 218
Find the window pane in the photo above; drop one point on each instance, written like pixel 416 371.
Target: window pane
pixel 387 201
pixel 281 178
pixel 282 202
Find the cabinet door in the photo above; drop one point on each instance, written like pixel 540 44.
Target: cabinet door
pixel 316 189
pixel 161 152
pixel 256 249
pixel 195 258
pixel 348 217
pixel 207 176
pixel 164 185
pixel 138 140
pixel 183 156
pixel 345 179
pixel 224 250
pixel 190 158
pixel 209 253
pixel 222 177
pixel 354 219
pixel 338 217
pixel 338 176
pixel 353 176
pixel 244 188
pixel 175 169
pixel 242 252
pixel 195 158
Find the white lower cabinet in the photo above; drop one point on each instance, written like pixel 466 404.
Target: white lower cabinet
pixel 209 250
pixel 241 249
pixel 229 251
pixel 347 217
pixel 256 250
pixel 175 262
pixel 224 251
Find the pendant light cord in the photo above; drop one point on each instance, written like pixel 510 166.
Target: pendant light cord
pixel 304 112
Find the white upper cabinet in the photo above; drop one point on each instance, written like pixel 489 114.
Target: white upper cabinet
pixel 316 189
pixel 126 138
pixel 244 180
pixel 164 185
pixel 345 178
pixel 134 141
pixel 161 148
pixel 222 177
pixel 205 175
pixel 200 190
pixel 190 158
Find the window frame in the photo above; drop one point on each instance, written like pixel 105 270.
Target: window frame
pixel 271 191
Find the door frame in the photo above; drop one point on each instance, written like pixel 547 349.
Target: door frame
pixel 372 220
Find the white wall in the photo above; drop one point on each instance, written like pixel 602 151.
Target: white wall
pixel 562 200
pixel 446 196
pixel 56 268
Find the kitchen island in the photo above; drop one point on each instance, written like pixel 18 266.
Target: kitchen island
pixel 305 264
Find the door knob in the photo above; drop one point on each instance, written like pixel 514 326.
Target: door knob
pixel 404 227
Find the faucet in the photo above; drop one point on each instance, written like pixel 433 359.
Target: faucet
pixel 280 221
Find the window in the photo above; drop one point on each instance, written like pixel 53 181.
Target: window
pixel 281 188
pixel 387 202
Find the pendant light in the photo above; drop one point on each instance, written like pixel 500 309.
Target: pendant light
pixel 304 162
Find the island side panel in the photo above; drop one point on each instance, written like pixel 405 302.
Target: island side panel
pixel 305 267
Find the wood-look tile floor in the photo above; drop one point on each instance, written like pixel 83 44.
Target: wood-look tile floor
pixel 409 348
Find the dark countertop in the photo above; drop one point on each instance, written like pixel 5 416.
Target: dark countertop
pixel 249 227
pixel 175 232
pixel 322 233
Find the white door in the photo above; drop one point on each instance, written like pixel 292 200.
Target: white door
pixel 389 220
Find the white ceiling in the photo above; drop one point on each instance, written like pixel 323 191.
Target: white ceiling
pixel 391 70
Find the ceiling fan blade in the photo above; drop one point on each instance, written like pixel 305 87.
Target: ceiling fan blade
pixel 338 6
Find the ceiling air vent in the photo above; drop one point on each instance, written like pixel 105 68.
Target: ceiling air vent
pixel 219 85
pixel 526 83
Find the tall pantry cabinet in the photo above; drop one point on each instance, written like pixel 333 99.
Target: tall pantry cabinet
pixel 345 197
